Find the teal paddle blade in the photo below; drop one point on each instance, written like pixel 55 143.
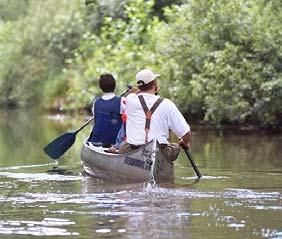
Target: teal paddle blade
pixel 60 145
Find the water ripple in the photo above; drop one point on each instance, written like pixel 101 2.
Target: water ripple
pixel 46 227
pixel 28 177
pixel 205 177
pixel 25 166
pixel 101 199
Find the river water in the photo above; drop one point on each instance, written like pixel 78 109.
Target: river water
pixel 239 196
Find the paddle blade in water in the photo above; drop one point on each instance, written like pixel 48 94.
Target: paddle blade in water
pixel 60 145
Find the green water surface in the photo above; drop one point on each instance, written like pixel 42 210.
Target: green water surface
pixel 240 195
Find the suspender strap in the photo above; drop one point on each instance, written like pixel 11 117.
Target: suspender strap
pixel 148 113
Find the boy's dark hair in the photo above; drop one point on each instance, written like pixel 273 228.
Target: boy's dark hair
pixel 107 83
pixel 147 86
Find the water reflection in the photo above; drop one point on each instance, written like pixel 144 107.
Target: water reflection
pixel 237 150
pixel 239 196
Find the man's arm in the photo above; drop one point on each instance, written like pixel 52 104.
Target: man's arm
pixel 185 139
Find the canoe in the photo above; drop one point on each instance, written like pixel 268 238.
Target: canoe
pixel 144 164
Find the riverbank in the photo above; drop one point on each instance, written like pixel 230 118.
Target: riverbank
pixel 196 124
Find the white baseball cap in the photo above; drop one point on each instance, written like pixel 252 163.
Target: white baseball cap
pixel 145 76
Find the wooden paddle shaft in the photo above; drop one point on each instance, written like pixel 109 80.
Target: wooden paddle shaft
pixel 86 123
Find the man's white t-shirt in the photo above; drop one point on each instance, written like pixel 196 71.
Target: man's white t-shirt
pixel 166 117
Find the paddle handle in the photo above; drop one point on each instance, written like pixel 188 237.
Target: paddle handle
pixel 127 92
pixel 86 123
pixel 189 155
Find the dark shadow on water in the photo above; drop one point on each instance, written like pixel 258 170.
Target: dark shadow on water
pixel 60 171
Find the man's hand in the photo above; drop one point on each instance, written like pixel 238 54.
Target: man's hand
pixel 184 141
pixel 112 150
pixel 134 90
pixel 183 144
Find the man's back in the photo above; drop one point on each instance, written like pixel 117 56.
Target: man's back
pixel 165 117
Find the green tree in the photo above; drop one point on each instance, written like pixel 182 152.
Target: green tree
pixel 11 10
pixel 226 55
pixel 123 46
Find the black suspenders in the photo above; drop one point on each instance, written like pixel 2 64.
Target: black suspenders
pixel 148 113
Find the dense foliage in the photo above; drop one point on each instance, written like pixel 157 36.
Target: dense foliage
pixel 219 60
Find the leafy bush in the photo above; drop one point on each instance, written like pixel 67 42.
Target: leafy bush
pixel 226 55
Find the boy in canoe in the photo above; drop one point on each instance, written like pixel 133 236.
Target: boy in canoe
pixel 107 111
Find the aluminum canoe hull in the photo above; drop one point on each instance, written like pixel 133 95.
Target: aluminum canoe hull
pixel 136 166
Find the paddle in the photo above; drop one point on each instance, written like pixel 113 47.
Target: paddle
pixel 61 144
pixel 189 155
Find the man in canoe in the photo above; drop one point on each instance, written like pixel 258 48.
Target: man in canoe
pixel 151 117
pixel 107 113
